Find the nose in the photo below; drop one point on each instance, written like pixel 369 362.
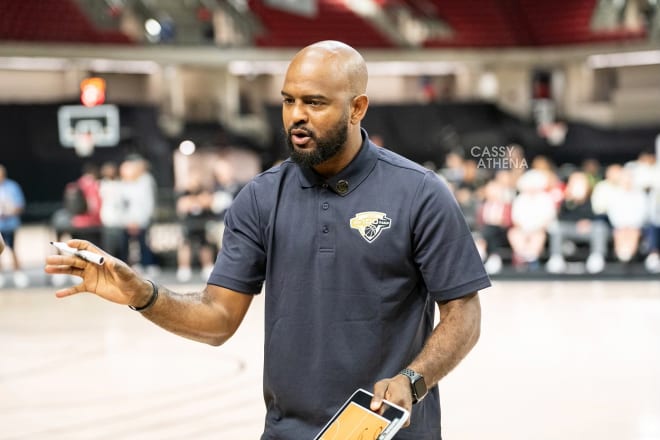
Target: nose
pixel 297 113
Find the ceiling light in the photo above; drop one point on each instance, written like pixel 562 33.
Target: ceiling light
pixel 187 147
pixel 152 27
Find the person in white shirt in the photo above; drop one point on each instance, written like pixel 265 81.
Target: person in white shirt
pixel 139 194
pixel 627 212
pixel 532 212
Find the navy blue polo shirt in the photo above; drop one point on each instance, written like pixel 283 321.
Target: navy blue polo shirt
pixel 353 266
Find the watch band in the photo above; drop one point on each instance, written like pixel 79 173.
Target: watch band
pixel 409 373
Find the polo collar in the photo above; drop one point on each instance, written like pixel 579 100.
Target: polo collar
pixel 350 177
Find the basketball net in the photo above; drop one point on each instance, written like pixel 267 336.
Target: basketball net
pixel 84 144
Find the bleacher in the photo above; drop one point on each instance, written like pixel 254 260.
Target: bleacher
pixel 53 21
pixel 334 20
pixel 493 24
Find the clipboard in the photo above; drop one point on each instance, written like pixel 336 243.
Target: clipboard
pixel 356 421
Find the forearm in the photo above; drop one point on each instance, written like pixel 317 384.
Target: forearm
pixel 451 340
pixel 191 315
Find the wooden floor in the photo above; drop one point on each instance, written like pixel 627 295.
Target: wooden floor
pixel 556 360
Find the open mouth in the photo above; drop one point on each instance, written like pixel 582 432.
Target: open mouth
pixel 299 136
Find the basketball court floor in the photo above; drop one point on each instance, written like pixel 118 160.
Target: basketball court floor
pixel 556 360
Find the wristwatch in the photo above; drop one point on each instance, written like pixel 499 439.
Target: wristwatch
pixel 417 384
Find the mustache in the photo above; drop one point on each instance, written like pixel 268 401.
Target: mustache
pixel 300 129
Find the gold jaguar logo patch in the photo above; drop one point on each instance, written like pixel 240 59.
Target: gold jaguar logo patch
pixel 370 224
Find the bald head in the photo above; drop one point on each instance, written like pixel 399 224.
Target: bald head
pixel 324 102
pixel 335 60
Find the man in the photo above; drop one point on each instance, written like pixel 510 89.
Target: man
pixel 355 245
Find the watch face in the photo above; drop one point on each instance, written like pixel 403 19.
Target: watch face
pixel 420 387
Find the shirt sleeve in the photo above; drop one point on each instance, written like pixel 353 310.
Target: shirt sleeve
pixel 241 262
pixel 444 248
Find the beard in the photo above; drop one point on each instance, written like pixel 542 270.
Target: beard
pixel 326 147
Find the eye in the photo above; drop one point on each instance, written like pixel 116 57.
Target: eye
pixel 315 103
pixel 287 100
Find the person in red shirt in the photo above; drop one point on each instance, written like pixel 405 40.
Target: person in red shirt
pixel 89 184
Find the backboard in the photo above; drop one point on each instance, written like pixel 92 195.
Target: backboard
pixel 84 128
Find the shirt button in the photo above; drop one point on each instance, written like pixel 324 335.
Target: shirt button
pixel 325 186
pixel 325 206
pixel 325 229
pixel 342 187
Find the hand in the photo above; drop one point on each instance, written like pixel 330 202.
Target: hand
pixel 396 390
pixel 114 281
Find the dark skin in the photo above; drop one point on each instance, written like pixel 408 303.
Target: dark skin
pixel 325 85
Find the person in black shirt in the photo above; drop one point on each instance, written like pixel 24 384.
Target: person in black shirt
pixel 576 221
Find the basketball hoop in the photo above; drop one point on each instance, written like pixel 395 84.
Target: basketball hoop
pixel 87 128
pixel 83 144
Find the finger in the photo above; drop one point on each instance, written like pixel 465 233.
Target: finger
pixel 86 245
pixel 80 244
pixel 65 260
pixel 63 293
pixel 58 260
pixel 380 388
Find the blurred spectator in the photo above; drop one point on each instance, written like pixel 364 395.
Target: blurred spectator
pixel 576 221
pixel 12 204
pixel 464 178
pixel 140 197
pixel 86 224
pixel 554 185
pixel 593 169
pixel 113 211
pixel 225 189
pixel 643 171
pixel 652 261
pixel 532 212
pixel 646 176
pixel 602 194
pixel 2 244
pixel 518 162
pixel 193 207
pixel 508 181
pixel 454 170
pixel 627 213
pixel 465 193
pixel 493 221
pixel 81 205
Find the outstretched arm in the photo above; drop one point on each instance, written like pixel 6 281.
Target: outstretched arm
pixel 209 316
pixel 451 340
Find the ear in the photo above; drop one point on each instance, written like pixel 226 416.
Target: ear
pixel 359 106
